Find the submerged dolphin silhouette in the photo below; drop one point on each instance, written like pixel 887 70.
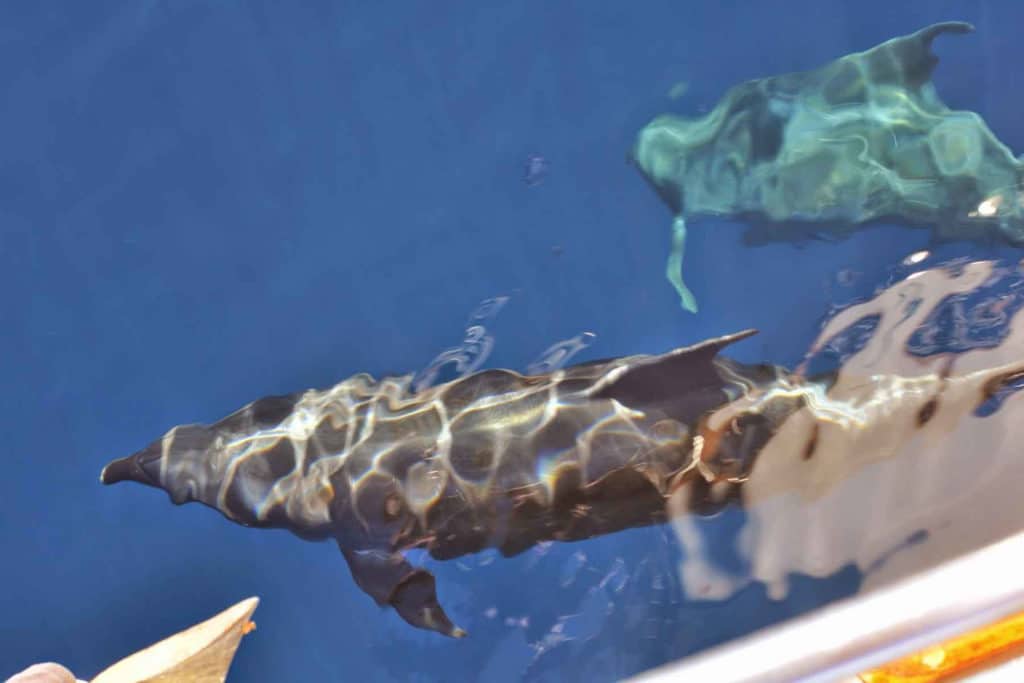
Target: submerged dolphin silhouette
pixel 495 459
pixel 861 139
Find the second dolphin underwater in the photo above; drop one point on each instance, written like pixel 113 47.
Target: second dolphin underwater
pixel 500 459
pixel 864 138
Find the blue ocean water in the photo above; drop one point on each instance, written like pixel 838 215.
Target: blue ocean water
pixel 206 202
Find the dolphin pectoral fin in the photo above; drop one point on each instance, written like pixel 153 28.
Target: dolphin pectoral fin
pixel 389 579
pixel 415 600
pixel 674 268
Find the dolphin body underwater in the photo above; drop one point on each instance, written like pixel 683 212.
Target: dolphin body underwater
pixel 493 459
pixel 862 139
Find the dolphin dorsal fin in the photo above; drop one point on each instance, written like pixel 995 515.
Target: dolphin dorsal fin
pixel 667 376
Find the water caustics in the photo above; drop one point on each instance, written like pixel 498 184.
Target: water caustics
pixel 472 353
pixel 560 353
pixel 861 139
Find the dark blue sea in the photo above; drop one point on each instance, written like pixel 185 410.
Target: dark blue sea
pixel 205 202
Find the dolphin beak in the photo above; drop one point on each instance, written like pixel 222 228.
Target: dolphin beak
pixel 132 468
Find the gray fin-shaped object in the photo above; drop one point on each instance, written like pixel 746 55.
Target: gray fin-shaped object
pixel 669 376
pixel 390 580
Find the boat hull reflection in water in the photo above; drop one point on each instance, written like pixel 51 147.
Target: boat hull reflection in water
pixel 912 455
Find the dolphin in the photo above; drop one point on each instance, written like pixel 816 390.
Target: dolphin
pixel 494 459
pixel 862 139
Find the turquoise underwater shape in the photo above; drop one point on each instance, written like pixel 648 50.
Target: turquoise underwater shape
pixel 861 139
